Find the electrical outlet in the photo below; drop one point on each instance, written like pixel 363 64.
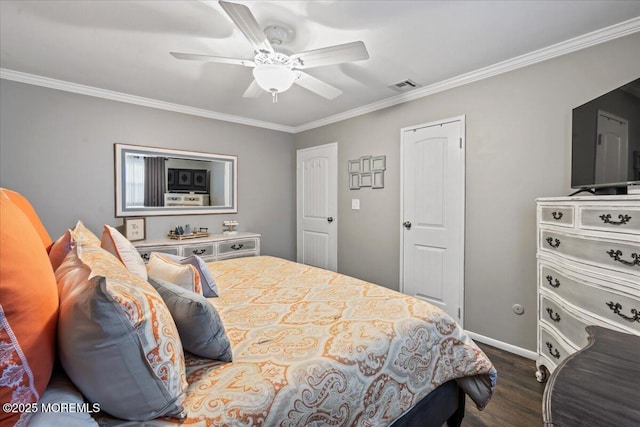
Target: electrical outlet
pixel 355 204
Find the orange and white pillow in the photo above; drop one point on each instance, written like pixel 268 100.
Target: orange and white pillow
pixel 118 245
pixel 161 267
pixel 28 309
pixel 81 235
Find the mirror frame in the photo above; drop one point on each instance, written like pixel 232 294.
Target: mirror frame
pixel 120 150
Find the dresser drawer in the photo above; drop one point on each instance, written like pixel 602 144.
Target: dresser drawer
pixel 613 305
pixel 572 328
pixel 202 250
pixel 552 348
pixel 618 255
pixel 210 248
pixel 557 215
pixel 617 219
pixel 145 252
pixel 237 246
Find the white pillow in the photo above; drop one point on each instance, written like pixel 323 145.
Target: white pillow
pixel 209 287
pixel 161 267
pixel 118 245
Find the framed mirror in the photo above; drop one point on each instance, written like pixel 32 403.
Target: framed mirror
pixel 158 181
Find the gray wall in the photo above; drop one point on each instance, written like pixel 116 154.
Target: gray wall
pixel 57 149
pixel 518 148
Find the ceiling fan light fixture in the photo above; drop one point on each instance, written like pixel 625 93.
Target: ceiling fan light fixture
pixel 274 78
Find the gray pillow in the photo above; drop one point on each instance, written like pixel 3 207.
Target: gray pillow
pixel 117 340
pixel 199 325
pixel 209 287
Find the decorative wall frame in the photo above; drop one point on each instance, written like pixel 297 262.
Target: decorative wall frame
pixel 354 181
pixel 378 179
pixel 354 166
pixel 367 171
pixel 378 163
pixel 365 164
pixel 134 229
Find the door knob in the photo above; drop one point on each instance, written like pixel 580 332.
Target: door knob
pixel 407 225
pixel 330 219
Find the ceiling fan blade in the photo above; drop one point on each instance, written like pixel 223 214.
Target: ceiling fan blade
pixel 253 91
pixel 246 22
pixel 317 86
pixel 210 58
pixel 338 54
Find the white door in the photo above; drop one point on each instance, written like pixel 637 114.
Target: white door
pixel 611 148
pixel 317 206
pixel 432 212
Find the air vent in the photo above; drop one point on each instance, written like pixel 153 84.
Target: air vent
pixel 405 85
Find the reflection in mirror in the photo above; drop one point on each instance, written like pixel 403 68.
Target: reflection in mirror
pixel 158 181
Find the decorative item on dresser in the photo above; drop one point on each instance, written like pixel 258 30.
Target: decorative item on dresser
pixel 211 248
pixel 588 272
pixel 134 228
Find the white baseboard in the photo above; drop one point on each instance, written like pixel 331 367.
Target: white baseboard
pixel 504 346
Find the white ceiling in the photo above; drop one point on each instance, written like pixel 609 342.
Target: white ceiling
pixel 123 46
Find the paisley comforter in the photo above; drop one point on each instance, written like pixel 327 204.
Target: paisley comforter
pixel 312 347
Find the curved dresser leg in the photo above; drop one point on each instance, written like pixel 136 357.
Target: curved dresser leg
pixel 541 373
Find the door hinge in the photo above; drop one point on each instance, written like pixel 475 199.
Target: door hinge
pixel 458 312
pixel 460 143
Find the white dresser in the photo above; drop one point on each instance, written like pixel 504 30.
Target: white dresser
pixel 588 272
pixel 211 248
pixel 179 199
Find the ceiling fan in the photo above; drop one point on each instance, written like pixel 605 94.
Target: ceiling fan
pixel 275 69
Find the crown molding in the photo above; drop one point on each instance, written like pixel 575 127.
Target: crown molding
pixel 33 79
pixel 572 45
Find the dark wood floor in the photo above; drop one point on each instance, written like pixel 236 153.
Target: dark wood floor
pixel 517 399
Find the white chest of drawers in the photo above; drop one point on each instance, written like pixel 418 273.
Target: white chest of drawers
pixel 211 248
pixel 178 199
pixel 588 272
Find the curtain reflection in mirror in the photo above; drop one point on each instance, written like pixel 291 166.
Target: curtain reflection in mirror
pixel 154 181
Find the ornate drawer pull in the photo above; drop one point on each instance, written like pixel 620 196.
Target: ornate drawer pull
pixel 557 215
pixel 555 318
pixel 623 219
pixel 237 246
pixel 554 243
pixel 145 256
pixel 553 351
pixel 617 254
pixel 616 307
pixel 198 251
pixel 552 283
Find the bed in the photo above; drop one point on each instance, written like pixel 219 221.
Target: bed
pixel 312 348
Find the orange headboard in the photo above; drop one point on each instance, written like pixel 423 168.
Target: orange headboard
pixel 23 204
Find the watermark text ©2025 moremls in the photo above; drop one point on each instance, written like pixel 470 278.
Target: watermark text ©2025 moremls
pixel 56 407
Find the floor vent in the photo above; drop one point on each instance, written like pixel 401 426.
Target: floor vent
pixel 405 85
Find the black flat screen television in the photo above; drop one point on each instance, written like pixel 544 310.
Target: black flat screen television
pixel 605 149
pixel 187 180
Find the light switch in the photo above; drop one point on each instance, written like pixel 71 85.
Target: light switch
pixel 355 203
